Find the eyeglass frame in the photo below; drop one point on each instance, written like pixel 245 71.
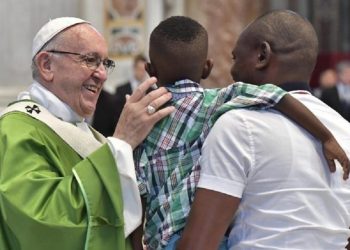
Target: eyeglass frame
pixel 108 64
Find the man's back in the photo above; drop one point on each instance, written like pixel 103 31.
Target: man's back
pixel 289 198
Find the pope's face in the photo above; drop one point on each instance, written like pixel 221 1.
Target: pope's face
pixel 74 82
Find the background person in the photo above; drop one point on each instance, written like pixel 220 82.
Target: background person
pixel 138 75
pixel 338 97
pixel 110 106
pixel 328 79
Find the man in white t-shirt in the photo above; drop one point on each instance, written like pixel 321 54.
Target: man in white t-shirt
pixel 260 171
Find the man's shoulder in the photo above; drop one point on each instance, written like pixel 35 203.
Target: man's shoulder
pixel 21 124
pixel 242 119
pixel 18 118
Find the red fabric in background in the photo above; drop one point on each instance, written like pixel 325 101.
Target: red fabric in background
pixel 326 61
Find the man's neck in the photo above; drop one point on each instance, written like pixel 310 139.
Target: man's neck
pixel 290 86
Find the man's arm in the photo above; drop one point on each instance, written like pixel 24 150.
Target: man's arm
pixel 210 216
pixel 296 111
pixel 226 161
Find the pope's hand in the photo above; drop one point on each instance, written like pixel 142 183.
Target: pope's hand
pixel 141 112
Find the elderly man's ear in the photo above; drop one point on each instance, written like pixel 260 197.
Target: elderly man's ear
pixel 43 62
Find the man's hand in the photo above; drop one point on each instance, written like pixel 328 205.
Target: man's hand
pixel 332 151
pixel 135 122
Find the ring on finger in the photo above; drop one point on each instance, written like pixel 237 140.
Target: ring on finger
pixel 151 109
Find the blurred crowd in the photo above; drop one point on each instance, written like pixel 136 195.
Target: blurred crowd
pixel 334 88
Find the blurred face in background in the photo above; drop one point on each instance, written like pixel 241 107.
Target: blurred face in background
pixel 328 78
pixel 140 73
pixel 344 75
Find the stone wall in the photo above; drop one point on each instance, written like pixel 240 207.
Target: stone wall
pixel 224 20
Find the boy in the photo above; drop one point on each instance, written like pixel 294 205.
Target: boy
pixel 166 161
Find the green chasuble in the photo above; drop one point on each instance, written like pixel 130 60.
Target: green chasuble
pixel 51 198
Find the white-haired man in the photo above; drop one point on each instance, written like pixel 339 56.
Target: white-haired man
pixel 62 185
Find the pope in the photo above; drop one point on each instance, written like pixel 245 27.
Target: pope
pixel 62 184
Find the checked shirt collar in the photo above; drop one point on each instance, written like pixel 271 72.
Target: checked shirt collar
pixel 182 88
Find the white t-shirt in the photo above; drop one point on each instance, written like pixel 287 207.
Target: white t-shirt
pixel 289 198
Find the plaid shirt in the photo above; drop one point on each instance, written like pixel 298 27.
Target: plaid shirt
pixel 166 161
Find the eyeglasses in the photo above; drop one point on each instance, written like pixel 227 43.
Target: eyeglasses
pixel 91 60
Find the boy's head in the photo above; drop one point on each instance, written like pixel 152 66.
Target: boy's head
pixel 178 50
pixel 280 46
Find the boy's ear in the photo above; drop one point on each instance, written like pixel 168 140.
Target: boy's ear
pixel 43 64
pixel 150 69
pixel 208 66
pixel 264 55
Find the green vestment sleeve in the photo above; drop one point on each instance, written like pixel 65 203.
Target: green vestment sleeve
pixel 51 198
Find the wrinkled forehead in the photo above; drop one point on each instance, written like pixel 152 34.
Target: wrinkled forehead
pixel 81 31
pixel 83 36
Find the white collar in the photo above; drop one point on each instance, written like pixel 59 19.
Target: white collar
pixel 44 97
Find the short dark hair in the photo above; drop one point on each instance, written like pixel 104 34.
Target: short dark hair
pixel 289 33
pixel 178 28
pixel 179 47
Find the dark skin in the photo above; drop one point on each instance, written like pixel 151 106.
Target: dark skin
pixel 181 66
pixel 288 105
pixel 136 236
pixel 170 71
pixel 218 209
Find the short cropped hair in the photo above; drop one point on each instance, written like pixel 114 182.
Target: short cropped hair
pixel 181 43
pixel 178 28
